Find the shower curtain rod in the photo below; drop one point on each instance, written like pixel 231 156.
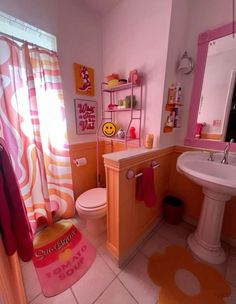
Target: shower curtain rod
pixel 30 43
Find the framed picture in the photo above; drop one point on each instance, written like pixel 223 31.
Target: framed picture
pixel 84 80
pixel 85 116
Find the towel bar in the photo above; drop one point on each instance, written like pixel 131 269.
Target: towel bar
pixel 130 173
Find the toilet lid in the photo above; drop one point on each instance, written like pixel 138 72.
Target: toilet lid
pixel 92 198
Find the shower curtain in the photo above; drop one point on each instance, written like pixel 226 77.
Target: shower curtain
pixel 32 123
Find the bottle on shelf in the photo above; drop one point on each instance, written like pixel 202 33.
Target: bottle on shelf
pixel 178 90
pixel 171 94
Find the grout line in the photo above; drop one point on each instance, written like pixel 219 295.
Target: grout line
pixel 128 290
pixel 77 302
pixel 35 297
pixel 231 284
pixel 226 263
pixel 149 236
pixel 104 260
pixel 104 290
pixel 129 259
pixel 144 255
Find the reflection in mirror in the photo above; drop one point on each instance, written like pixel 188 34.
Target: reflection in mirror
pixel 217 107
pixel 231 126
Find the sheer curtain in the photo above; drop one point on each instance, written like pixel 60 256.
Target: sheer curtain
pixel 32 122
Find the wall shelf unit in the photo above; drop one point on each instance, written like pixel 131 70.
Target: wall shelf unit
pixel 171 106
pixel 173 122
pixel 129 114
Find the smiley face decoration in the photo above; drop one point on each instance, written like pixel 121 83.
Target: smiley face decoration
pixel 109 129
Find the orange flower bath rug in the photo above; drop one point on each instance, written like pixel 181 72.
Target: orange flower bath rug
pixel 184 280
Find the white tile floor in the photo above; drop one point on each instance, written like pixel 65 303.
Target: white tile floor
pixel 105 283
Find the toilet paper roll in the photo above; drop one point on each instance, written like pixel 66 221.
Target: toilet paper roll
pixel 80 161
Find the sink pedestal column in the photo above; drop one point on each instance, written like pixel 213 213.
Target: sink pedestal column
pixel 205 241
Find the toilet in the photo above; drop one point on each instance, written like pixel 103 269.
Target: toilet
pixel 92 207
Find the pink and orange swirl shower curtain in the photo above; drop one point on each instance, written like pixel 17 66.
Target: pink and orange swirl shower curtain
pixel 32 122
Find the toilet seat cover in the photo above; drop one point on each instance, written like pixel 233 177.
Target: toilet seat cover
pixel 93 198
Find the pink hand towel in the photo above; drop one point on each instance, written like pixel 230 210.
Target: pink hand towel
pixel 145 189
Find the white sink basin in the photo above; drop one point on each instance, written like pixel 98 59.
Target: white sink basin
pixel 218 182
pixel 210 174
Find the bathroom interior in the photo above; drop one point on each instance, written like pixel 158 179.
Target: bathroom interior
pixel 150 36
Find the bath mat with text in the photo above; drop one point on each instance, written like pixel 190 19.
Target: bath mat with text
pixel 61 257
pixel 183 280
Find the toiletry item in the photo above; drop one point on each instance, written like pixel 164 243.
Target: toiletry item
pixel 172 118
pixel 171 94
pixel 126 103
pixel 178 91
pixel 121 104
pixel 130 101
pixel 121 133
pixel 111 106
pixel 148 142
pixel 112 77
pixel 177 118
pixel 134 77
pixel 198 130
pixel 132 133
pixel 169 121
pixel 112 83
pixel 122 81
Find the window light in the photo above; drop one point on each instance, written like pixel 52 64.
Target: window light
pixel 14 27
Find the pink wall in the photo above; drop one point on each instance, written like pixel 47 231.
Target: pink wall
pixel 78 32
pixel 138 34
pixel 135 35
pixel 177 40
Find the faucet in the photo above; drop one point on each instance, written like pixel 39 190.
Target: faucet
pixel 225 159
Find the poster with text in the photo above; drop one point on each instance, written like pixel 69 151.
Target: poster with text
pixel 86 116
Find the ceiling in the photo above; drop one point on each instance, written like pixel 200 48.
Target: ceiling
pixel 101 6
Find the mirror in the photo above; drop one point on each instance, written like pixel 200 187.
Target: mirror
pixel 212 113
pixel 216 100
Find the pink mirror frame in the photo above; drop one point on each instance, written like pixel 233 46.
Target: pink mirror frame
pixel 203 40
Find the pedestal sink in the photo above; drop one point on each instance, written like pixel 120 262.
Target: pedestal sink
pixel 218 182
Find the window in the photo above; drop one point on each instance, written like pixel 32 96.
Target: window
pixel 14 27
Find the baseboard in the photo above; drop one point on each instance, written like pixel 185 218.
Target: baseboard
pixel 124 260
pixel 228 240
pixel 190 221
pixel 224 238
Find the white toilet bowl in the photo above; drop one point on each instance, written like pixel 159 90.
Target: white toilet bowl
pixel 92 206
